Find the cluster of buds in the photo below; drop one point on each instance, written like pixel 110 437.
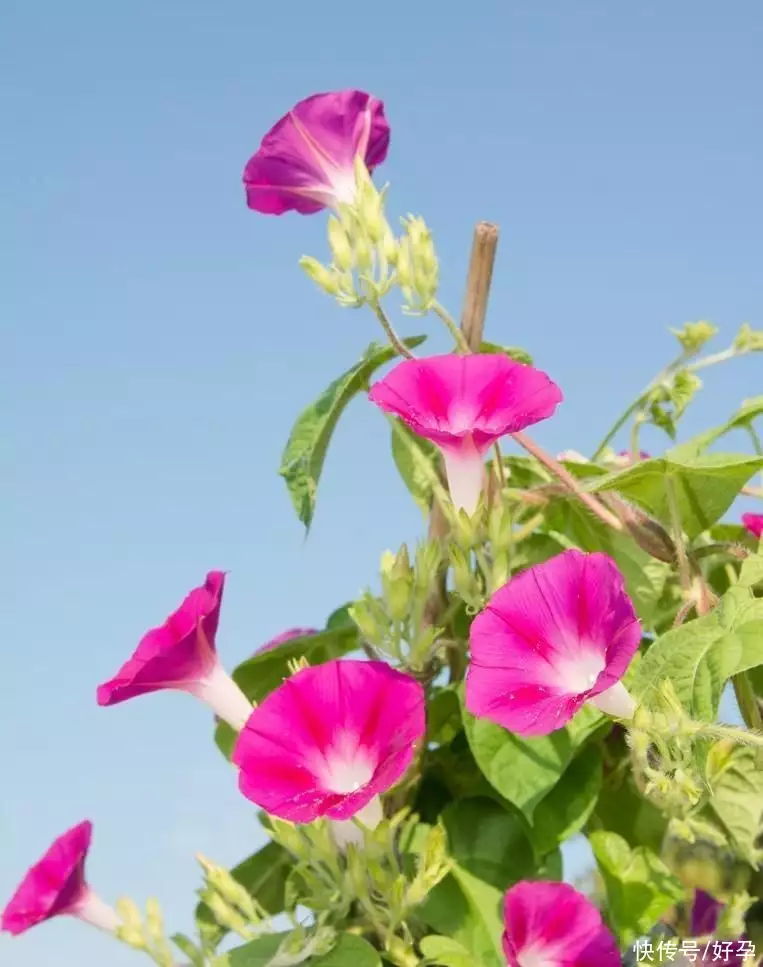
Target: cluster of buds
pixel 748 340
pixel 144 933
pixel 394 623
pixel 663 754
pixel 363 248
pixel 694 335
pixel 418 270
pixel 229 902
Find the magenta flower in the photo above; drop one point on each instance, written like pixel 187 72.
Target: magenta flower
pixel 464 404
pixel 552 925
pixel 181 655
pixel 754 524
pixel 55 886
pixel 285 636
pixel 306 161
pixel 705 913
pixel 329 741
pixel 555 636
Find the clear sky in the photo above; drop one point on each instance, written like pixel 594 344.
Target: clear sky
pixel 161 340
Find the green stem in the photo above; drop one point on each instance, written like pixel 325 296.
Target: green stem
pixel 453 328
pixel 566 478
pixel 637 403
pixel 756 442
pixel 397 343
pixel 742 736
pixel 684 570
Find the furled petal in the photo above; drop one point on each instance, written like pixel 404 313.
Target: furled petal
pixel 552 638
pixel 306 161
pixel 754 524
pixel 464 404
pixel 329 740
pixel 285 636
pixel 552 925
pixel 181 654
pixel 56 886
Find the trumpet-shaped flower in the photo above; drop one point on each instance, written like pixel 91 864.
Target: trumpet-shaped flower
pixel 754 524
pixel 552 925
pixel 555 636
pixel 285 636
pixel 181 654
pixel 464 404
pixel 330 740
pixel 55 886
pixel 306 161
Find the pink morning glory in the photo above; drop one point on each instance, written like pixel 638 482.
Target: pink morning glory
pixel 754 524
pixel 464 404
pixel 555 636
pixel 181 655
pixel 285 636
pixel 306 161
pixel 552 925
pixel 55 886
pixel 329 741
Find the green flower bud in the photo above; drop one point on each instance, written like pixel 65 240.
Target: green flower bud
pixel 748 339
pixel 694 335
pixel 129 913
pixel 364 253
pixel 154 919
pixel 324 278
pixel 341 247
pixel 389 246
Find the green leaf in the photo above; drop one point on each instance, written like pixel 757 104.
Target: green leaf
pixel 305 452
pixel 736 781
pixel 699 657
pixel 446 952
pixel 640 888
pixel 350 951
pixel 705 486
pixel 523 771
pixel 463 907
pixel 264 876
pixel 623 810
pixel 409 451
pixel 443 716
pixel 488 842
pixel 514 352
pixel 565 810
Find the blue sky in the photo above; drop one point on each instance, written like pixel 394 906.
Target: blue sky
pixel 161 338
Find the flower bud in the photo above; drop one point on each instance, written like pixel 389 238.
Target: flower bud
pixel 748 339
pixel 694 335
pixel 154 920
pixel 324 278
pixel 229 889
pixel 339 243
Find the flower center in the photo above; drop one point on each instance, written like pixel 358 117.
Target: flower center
pixel 579 673
pixel 346 768
pixel 537 957
pixel 343 185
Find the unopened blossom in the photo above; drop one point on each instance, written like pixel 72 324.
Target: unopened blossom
pixel 329 741
pixel 553 925
pixel 754 524
pixel 557 635
pixel 181 654
pixel 306 160
pixel 705 914
pixel 289 635
pixel 464 404
pixel 55 886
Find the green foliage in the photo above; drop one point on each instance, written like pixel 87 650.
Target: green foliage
pixel 305 452
pixel 349 951
pixel 640 887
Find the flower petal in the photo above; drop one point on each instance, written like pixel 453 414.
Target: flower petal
pixel 466 400
pixel 173 655
pixel 550 639
pixel 553 925
pixel 754 524
pixel 55 885
pixel 306 160
pixel 330 739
